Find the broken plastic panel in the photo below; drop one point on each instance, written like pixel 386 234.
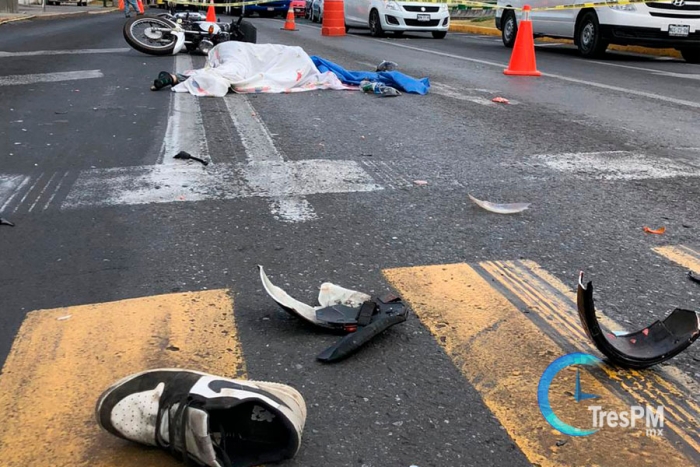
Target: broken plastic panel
pixel 512 208
pixel 654 344
pixel 343 310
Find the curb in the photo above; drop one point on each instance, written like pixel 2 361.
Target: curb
pixel 59 15
pixel 487 31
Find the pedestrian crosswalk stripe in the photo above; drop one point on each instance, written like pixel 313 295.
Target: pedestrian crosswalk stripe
pixel 682 255
pixel 62 359
pixel 502 324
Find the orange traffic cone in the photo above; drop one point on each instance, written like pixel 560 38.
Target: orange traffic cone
pixel 333 18
pixel 121 5
pixel 522 61
pixel 140 5
pixel 211 13
pixel 289 24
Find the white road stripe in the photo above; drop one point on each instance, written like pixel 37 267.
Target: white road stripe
pixel 63 52
pixel 41 193
pixel 648 95
pixel 286 182
pixel 651 70
pixel 185 131
pixel 260 149
pixel 12 80
pixel 55 191
pixel 27 192
pixel 10 186
pixel 617 165
pixel 254 134
pixel 448 91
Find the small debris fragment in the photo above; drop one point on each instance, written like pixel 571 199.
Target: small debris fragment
pixel 508 208
pixel 6 222
pixel 693 277
pixel 420 182
pixel 561 442
pixel 172 348
pixel 63 318
pixel 386 65
pixel 500 100
pixel 658 231
pixel 187 156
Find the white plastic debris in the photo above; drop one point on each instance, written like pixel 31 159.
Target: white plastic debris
pixel 508 208
pixel 329 295
pixel 63 318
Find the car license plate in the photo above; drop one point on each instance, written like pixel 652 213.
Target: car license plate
pixel 270 8
pixel 678 30
pixel 423 17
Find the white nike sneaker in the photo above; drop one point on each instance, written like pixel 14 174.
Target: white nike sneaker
pixel 213 421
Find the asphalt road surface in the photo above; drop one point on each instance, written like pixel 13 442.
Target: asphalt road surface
pixel 320 186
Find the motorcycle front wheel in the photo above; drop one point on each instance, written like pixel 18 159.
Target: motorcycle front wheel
pixel 144 34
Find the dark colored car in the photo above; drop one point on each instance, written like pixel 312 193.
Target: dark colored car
pixel 267 10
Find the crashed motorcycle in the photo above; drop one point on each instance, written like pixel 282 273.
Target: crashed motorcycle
pixel 169 34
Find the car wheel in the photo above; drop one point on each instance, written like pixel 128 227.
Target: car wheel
pixel 439 34
pixel 509 28
pixel 691 55
pixel 375 24
pixel 590 43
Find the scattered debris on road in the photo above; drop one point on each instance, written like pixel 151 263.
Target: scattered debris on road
pixel 386 65
pixel 498 208
pixel 4 221
pixel 420 182
pixel 660 341
pixel 64 318
pixel 658 231
pixel 187 156
pixel 500 100
pixel 380 89
pixel 344 310
pixel 693 277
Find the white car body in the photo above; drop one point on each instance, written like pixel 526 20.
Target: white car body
pixel 398 16
pixel 654 24
pixel 316 14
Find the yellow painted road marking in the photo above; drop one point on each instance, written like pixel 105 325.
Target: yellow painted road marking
pixel 683 255
pixel 502 353
pixel 63 359
pixel 554 304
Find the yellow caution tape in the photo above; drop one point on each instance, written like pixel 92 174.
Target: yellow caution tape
pixel 468 3
pixel 207 4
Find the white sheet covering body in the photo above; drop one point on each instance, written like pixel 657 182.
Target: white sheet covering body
pixel 255 68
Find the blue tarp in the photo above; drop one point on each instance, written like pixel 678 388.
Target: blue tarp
pixel 395 79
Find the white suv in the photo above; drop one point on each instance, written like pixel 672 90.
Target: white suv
pixel 654 24
pixel 380 16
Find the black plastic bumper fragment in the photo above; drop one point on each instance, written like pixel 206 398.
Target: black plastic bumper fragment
pixel 379 314
pixel 357 314
pixel 654 344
